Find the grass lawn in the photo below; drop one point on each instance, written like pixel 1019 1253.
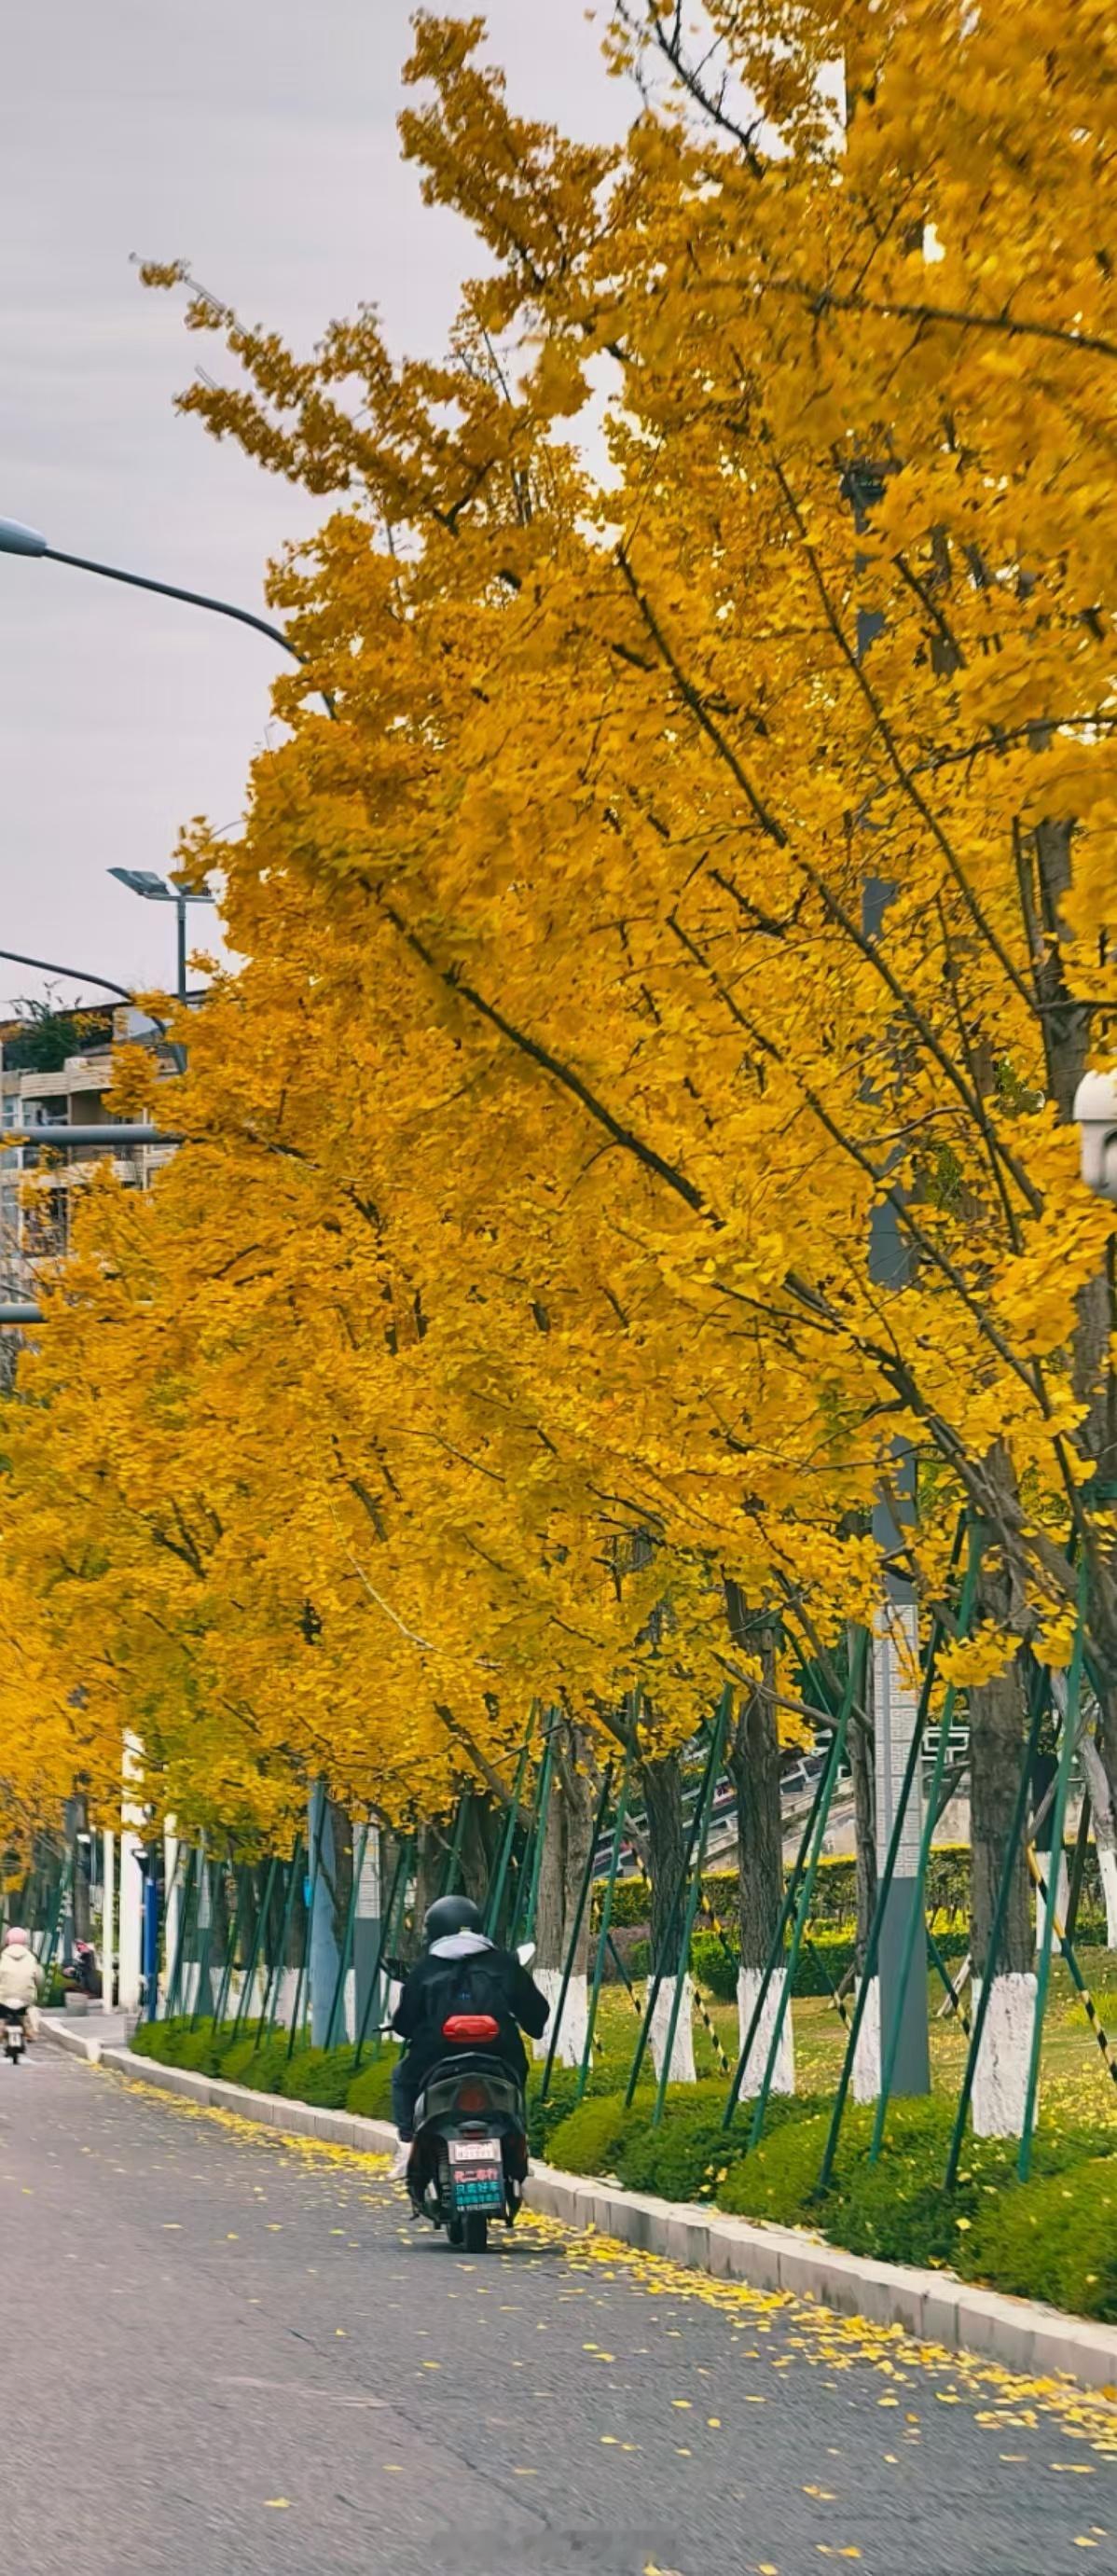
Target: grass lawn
pixel 1074 2073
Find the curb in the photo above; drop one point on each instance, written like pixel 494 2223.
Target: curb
pixel 1020 2335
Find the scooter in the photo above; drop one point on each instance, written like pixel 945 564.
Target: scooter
pixel 469 2161
pixel 13 2018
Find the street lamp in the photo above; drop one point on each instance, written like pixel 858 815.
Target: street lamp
pixel 16 539
pixel 1095 1111
pixel 156 889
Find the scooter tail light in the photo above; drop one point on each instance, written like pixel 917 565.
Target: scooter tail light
pixel 470 2029
pixel 472 2098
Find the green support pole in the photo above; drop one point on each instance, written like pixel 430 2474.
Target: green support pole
pixel 1067 1747
pixel 174 1990
pixel 655 1981
pixel 855 1684
pixel 916 1919
pixel 347 1943
pixel 205 1882
pixel 275 1981
pixel 946 1981
pixel 527 1882
pixel 868 1972
pixel 496 1891
pixel 395 1929
pixel 241 2013
pixel 454 1855
pixel 1078 1867
pixel 399 1882
pixel 709 1785
pixel 47 1959
pixel 606 1922
pixel 221 2005
pixel 775 1953
pixel 1076 1976
pixel 1000 1910
pixel 572 1949
pixel 304 1963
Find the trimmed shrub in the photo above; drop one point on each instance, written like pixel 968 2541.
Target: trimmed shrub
pixel 590 2139
pixel 1054 2239
pixel 370 2090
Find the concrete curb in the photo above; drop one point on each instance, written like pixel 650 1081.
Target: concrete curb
pixel 1019 2334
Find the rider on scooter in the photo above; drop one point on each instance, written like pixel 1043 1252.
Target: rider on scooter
pixel 460 1970
pixel 21 1977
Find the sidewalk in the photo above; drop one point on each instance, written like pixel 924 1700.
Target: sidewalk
pixel 86 2034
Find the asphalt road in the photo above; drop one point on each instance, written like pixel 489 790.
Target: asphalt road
pixel 227 2354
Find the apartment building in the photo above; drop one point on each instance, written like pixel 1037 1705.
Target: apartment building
pixel 38 1182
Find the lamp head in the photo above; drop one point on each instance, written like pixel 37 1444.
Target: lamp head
pixel 1095 1110
pixel 15 539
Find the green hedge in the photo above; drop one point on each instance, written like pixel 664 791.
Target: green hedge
pixel 1054 2237
pixel 327 2077
pixel 835 1893
pixel 826 1956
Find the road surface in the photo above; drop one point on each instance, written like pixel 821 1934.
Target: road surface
pixel 225 2355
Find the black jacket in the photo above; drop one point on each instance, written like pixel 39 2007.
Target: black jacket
pixel 516 2003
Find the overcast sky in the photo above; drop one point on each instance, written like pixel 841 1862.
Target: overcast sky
pixel 257 139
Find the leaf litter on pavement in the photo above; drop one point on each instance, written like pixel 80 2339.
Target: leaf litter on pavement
pixel 813 2337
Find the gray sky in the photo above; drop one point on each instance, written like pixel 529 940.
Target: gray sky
pixel 257 139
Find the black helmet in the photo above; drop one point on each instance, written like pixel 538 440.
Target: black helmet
pixel 450 1914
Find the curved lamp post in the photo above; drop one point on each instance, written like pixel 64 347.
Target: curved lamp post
pixel 16 539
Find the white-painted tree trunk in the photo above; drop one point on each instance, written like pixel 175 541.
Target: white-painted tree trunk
pixel 682 2055
pixel 866 2056
pixel 749 1983
pixel 575 2016
pixel 1105 1829
pixel 288 1993
pixel 1062 1896
pixel 1001 2081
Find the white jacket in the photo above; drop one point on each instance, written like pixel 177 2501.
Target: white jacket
pixel 21 1977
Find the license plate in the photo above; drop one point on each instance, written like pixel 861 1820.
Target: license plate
pixel 477 2173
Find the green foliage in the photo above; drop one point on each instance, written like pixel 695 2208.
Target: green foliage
pixel 590 2139
pixel 1055 2239
pixel 713 1967
pixel 897 2210
pixel 370 2091
pixel 319 2075
pixel 45 1037
pixel 834 1904
pixel 685 2158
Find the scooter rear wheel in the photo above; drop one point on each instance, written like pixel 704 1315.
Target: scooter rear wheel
pixel 455 2233
pixel 476 2230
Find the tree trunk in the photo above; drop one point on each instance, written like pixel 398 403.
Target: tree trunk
pixel 662 1784
pixel 1105 1829
pixel 753 1763
pixel 430 1866
pixel 80 1881
pixel 566 1843
pixel 480 1848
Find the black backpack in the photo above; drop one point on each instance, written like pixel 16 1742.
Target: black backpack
pixel 470 1985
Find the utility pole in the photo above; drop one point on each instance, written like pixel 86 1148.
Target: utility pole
pixel 896 1624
